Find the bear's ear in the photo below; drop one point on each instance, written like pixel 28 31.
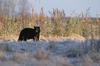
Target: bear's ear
pixel 36 26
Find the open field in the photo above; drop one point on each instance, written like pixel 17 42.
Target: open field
pixel 59 51
pixel 69 32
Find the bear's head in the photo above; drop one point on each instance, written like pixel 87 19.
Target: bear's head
pixel 37 29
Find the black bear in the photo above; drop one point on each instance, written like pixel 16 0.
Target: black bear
pixel 30 33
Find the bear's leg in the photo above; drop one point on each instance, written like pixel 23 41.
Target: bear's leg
pixel 25 39
pixel 37 37
pixel 20 38
pixel 33 38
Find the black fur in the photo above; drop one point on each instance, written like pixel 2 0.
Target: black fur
pixel 29 33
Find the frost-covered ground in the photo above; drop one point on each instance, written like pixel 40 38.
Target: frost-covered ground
pixel 48 53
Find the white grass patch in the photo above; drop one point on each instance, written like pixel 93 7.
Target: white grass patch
pixel 47 53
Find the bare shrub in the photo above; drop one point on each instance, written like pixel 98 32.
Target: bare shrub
pixel 86 61
pixel 20 57
pixel 60 61
pixel 41 54
pixel 9 63
pixel 4 47
pixel 95 56
pixel 2 54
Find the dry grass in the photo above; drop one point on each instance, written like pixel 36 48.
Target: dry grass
pixel 41 54
pixel 86 61
pixel 43 57
pixel 73 36
pixel 95 56
pixel 2 54
pixel 21 57
pixel 3 47
pixel 9 37
pixel 9 63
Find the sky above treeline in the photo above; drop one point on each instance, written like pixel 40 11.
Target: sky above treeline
pixel 71 7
